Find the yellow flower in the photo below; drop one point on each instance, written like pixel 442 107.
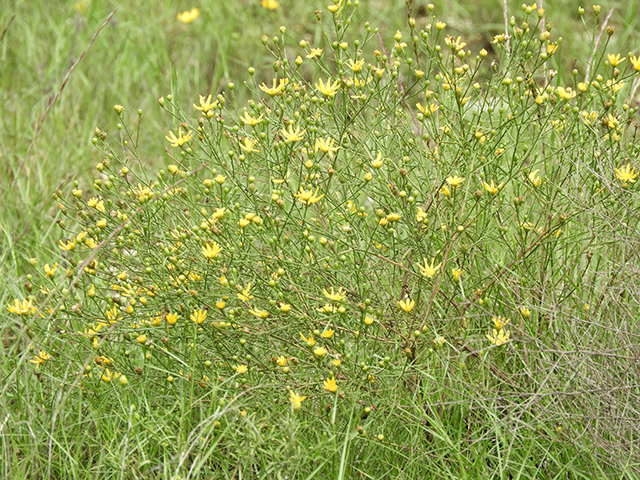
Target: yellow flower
pixel 526 313
pixel 499 38
pixel 259 313
pixel 270 4
pixel 635 61
pixel 242 369
pixel 566 93
pixel 335 7
pixel 445 191
pixel 377 163
pixel 327 308
pixel 70 245
pixel 534 178
pixel 97 204
pixel 211 251
pixel 368 321
pixel 245 296
pixel 205 104
pixel 327 333
pixel 281 361
pixel 143 193
pixel 613 85
pixel 355 66
pixel 172 318
pixel 296 400
pixel 558 124
pixel 141 339
pixel 440 25
pixel 406 304
pixel 330 385
pixel 309 341
pixel 499 337
pixel 198 316
pixel 454 43
pixel 421 215
pixel 179 140
pixel 273 91
pixel 104 361
pixel 23 307
pixel 456 273
pixel 189 16
pixel 315 53
pixel 428 109
pixel 249 120
pixel 292 135
pixel 248 145
pixel 626 174
pixel 50 271
pixel 492 189
pixel 326 146
pixel 455 181
pixel 527 226
pixel 107 376
pixel 113 315
pixel 615 60
pixel 612 122
pixel 429 270
pixel 500 322
pixel 588 117
pixel 328 89
pixel 308 197
pixel 335 296
pixel 319 351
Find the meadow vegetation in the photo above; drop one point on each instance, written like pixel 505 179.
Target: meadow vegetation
pixel 357 252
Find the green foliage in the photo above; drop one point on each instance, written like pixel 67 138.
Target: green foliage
pixel 392 258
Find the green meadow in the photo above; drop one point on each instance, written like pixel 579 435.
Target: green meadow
pixel 277 239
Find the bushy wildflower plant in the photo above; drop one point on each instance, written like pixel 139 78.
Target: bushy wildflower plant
pixel 392 239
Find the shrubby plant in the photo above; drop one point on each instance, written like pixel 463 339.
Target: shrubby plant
pixel 396 259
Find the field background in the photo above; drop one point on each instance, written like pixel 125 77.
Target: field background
pixel 144 53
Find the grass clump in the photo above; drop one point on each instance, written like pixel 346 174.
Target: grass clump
pixel 396 259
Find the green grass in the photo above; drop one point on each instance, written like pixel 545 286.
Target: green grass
pixel 561 404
